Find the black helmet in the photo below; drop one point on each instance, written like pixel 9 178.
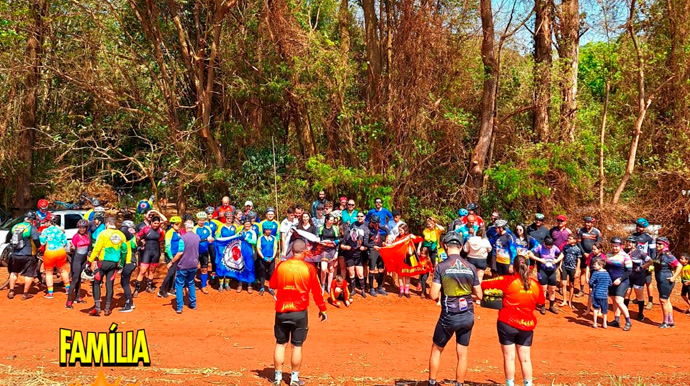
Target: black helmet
pixel 375 219
pixel 616 240
pixel 589 219
pixel 187 217
pixel 631 238
pixel 29 215
pixel 472 206
pixel 452 237
pixel 662 240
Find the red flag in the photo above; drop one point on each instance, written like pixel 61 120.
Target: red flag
pixel 401 258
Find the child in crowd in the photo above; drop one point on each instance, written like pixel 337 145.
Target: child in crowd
pixel 571 260
pixel 266 248
pixel 685 280
pixel 340 292
pixel 599 282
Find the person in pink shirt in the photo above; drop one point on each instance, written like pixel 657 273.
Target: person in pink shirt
pixel 81 243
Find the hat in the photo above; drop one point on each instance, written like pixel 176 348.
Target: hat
pixel 495 214
pixel 249 203
pixel 270 210
pixel 539 217
pixel 561 217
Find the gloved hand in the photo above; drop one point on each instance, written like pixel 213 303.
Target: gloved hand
pixel 323 316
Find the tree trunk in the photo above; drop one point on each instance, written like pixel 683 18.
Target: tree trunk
pixel 602 134
pixel 569 49
pixel 542 68
pixel 33 56
pixel 642 106
pixel 679 28
pixel 481 149
pixel 373 48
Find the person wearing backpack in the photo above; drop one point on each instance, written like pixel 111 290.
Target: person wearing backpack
pixel 24 240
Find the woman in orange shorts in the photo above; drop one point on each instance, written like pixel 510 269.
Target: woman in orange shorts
pixel 55 255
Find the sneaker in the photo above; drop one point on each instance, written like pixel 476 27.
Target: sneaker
pixel 151 289
pixel 271 292
pixel 80 301
pixel 277 382
pixel 220 289
pixel 407 295
pixel 26 296
pixel 48 296
pixel 127 308
pixel 172 293
pixel 372 292
pixel 178 312
pixel 671 325
pixel 542 310
pixel 107 312
pixel 382 291
pixel 68 305
pixel 204 290
pixel 135 294
pixel 579 294
pixel 627 327
pixel 553 310
pixel 615 323
pixel 400 295
pixel 364 295
pixel 261 292
pixel 10 295
pixel 649 305
pixel 640 317
pixel 162 295
pixel 663 325
pixel 227 287
pixel 250 290
pixel 95 312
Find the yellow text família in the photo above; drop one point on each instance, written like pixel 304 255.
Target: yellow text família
pixel 112 348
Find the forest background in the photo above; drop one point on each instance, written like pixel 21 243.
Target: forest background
pixel 552 106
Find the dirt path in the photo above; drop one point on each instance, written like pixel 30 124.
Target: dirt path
pixel 229 341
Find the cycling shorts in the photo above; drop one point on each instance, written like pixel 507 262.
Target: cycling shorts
pixel 54 258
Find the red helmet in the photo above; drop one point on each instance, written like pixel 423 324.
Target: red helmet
pixel 42 204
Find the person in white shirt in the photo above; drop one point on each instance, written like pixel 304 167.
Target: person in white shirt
pixel 477 248
pixel 285 229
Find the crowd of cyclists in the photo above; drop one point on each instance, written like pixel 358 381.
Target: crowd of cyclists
pixel 568 262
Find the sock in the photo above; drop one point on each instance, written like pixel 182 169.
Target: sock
pixel 50 290
pixel 379 278
pixel 627 320
pixel 279 375
pixel 371 281
pixel 626 302
pixel 617 319
pixel 137 285
pixel 407 288
pixel 67 288
pixel 651 299
pixel 294 377
pixel 402 290
pixel 204 279
pixel 528 382
pixel 510 382
pixel 640 308
pixel 582 288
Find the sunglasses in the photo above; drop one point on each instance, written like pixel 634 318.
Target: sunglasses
pixel 559 220
pixel 360 216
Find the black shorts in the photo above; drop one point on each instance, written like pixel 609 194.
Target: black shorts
pixel 638 279
pixel 203 259
pixel 547 277
pixel 353 259
pixel 458 324
pixel 502 269
pixel 601 304
pixel 568 274
pixel 292 327
pixel 478 263
pixel 619 290
pixel 583 264
pixel 25 265
pixel 375 260
pixel 150 256
pixel 508 335
pixel 685 290
pixel 664 286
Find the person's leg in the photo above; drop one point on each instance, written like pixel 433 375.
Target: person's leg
pixel 639 296
pixel 523 353
pixel 596 316
pixel 96 289
pixel 331 272
pixel 278 360
pixel 191 290
pixel 324 275
pixel 353 278
pixel 143 272
pixel 509 362
pixel 204 272
pixel 75 273
pixel 64 273
pixel 180 281
pixel 49 281
pixel 434 362
pixel 480 274
pixel 423 279
pixel 664 310
pixel 564 286
pixel 109 286
pixel 461 370
pixel 296 359
pixel 13 280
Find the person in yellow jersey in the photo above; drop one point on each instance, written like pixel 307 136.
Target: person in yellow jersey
pixel 110 249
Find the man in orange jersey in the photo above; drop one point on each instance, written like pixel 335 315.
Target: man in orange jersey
pixel 293 280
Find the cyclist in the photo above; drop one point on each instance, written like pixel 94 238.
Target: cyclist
pixel 229 229
pixel 213 224
pixel 109 251
pixel 537 229
pixel 127 228
pixel 25 240
pixel 224 208
pixel 329 233
pixel 81 243
pixel 586 237
pixel 374 240
pixel 561 232
pixel 619 267
pixel 349 216
pixel 55 255
pixel 505 248
pixel 383 214
pixel 666 270
pixel 645 243
pixel 152 239
pixel 641 262
pixel 42 212
pixel 459 221
pixel 206 235
pixel 270 223
pixel 472 211
pixel 548 256
pixel 172 247
pixel 524 242
pixel 352 248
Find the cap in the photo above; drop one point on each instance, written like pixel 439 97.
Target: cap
pixel 539 217
pixel 249 203
pixel 175 219
pixel 270 210
pixel 561 217
pixel 616 240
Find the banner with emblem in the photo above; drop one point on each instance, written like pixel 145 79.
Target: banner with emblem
pixel 234 259
pixel 401 257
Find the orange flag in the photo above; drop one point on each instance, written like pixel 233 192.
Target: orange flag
pixel 401 258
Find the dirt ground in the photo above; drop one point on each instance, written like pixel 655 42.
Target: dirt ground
pixel 377 341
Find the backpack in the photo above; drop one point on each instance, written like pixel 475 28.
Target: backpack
pixel 17 240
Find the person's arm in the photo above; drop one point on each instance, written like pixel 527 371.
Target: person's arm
pixel 316 293
pixel 259 244
pixel 647 262
pixel 250 237
pixel 627 265
pixel 678 267
pixel 477 289
pixel 579 241
pixel 96 251
pixel 592 281
pixel 175 259
pixel 560 257
pixel 652 248
pixel 598 232
pixel 334 298
pixel 435 292
pixel 275 248
pixel 125 253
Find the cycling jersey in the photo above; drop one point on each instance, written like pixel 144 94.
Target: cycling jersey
pixel 619 266
pixel 152 238
pixel 172 243
pixel 41 216
pixel 204 233
pixel 587 238
pixel 524 244
pixel 638 257
pixel 505 248
pixel 54 238
pixel 267 246
pixel 464 230
pixel 572 254
pixel 646 244
pixel 457 278
pixel 560 236
pixel 329 234
pixel 111 246
pixel 81 242
pixel 664 264
pixel 518 303
pixel 226 231
pixel 539 233
pixel 29 233
pixel 294 279
pixel 213 225
pixel 549 254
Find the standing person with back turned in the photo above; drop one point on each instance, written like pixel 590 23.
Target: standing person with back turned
pixel 458 279
pixel 293 280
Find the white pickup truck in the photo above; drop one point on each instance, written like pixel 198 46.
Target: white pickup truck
pixel 67 219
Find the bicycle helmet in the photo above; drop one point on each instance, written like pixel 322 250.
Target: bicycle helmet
pixel 87 274
pixel 631 238
pixel 539 217
pixel 42 204
pixel 99 216
pixel 201 216
pixel 615 240
pixel 30 216
pixel 187 217
pixel 99 209
pixel 642 222
pixel 251 215
pixel 82 223
pixel 229 214
pixel 589 219
pixel 175 220
pixel 452 238
pixel 501 223
pixel 143 206
pixel 662 240
pixel 463 212
pixel 128 224
pixel 270 210
pixel 209 210
pixel 95 202
pixel 375 219
pixel 472 206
